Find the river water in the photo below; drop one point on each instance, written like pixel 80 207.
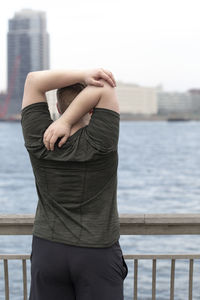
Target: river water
pixel 159 172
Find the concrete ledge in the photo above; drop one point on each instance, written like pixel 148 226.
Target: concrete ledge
pixel 159 224
pixel 130 224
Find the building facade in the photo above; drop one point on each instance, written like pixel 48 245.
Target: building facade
pixel 195 100
pixel 135 99
pixel 27 51
pixel 185 103
pixel 174 102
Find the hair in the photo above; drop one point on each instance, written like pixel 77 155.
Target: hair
pixel 66 95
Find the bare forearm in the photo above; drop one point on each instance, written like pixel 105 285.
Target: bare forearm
pixel 82 104
pixel 47 80
pixel 87 99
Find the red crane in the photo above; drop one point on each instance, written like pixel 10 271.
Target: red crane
pixel 4 107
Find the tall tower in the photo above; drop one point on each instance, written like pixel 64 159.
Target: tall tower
pixel 27 51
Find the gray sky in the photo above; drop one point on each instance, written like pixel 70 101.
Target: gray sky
pixel 148 42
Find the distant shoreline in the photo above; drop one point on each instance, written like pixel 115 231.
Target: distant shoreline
pixel 133 117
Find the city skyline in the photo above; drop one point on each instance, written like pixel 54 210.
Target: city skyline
pixel 147 43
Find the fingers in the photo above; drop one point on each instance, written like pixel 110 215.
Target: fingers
pixel 62 141
pixel 46 139
pixel 52 142
pixel 107 75
pixel 49 139
pixel 96 82
pixel 111 75
pixel 58 128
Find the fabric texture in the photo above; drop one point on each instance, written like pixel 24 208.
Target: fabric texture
pixel 77 183
pixel 67 272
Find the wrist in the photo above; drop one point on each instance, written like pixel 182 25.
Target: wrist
pixel 81 77
pixel 65 120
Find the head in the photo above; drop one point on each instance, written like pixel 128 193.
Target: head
pixel 67 94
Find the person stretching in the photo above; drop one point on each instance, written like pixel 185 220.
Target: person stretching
pixel 76 254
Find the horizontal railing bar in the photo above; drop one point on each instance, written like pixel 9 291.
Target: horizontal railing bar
pixel 160 218
pixel 21 219
pixel 130 224
pixel 184 218
pixel 14 256
pixel 162 256
pixel 126 256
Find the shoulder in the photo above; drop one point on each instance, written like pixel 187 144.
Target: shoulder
pixel 31 92
pixel 108 99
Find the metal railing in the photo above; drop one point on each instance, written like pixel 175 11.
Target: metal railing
pixel 130 224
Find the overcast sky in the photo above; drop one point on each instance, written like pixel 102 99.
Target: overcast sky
pixel 147 42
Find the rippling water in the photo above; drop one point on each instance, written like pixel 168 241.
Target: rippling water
pixel 158 173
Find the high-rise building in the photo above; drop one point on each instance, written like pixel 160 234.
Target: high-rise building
pixel 27 51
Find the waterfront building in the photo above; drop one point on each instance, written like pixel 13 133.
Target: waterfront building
pixel 174 102
pixel 135 99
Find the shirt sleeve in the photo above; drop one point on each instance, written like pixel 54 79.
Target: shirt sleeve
pixel 101 134
pixel 103 130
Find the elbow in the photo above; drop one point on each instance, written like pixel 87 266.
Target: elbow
pixel 30 76
pixel 32 80
pixel 36 79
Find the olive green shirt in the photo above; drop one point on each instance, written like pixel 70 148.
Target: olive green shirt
pixel 77 183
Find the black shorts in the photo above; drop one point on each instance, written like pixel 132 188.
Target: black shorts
pixel 66 272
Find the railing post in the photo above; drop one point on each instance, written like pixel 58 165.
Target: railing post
pixel 135 278
pixel 24 278
pixel 190 279
pixel 6 279
pixel 172 279
pixel 154 279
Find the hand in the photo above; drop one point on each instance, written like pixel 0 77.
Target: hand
pixel 92 76
pixel 58 128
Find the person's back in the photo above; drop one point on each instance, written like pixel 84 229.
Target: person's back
pixel 77 183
